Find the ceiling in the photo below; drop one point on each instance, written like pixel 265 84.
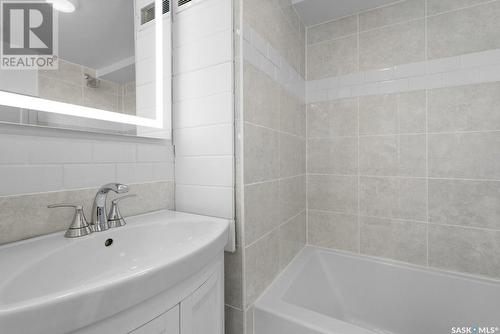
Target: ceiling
pixel 98 34
pixel 317 11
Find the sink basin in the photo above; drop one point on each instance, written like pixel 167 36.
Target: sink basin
pixel 101 274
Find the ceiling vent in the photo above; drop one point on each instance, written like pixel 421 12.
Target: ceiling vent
pixel 148 12
pixel 183 2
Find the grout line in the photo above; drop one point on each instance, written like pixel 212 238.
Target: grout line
pixel 274 229
pixel 427 169
pixel 409 220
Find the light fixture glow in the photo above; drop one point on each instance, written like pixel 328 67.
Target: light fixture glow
pixel 65 6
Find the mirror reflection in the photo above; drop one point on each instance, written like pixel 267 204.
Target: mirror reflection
pixel 106 61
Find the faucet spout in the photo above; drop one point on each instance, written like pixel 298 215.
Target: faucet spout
pixel 99 221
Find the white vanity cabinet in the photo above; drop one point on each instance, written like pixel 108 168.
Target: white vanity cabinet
pixel 194 306
pixel 200 313
pixel 167 323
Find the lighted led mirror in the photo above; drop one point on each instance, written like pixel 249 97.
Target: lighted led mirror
pixel 110 65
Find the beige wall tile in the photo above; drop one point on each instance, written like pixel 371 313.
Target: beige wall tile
pixel 292 238
pixel 39 220
pixel 332 30
pixel 262 157
pixel 233 278
pixel 262 209
pixel 412 109
pixel 440 6
pixel 393 197
pixel 394 239
pixel 332 58
pixel 261 265
pixel 378 114
pixel 292 155
pixel 402 155
pixel 465 155
pixel 68 72
pixel 333 118
pixel 61 91
pixel 292 114
pixel 292 197
pixel 95 98
pixel 466 203
pixel 332 193
pixel 392 45
pixel 393 113
pixel 400 12
pixel 261 98
pixel 464 31
pixel 465 108
pixel 234 320
pixel 333 230
pixel 466 250
pixel 332 155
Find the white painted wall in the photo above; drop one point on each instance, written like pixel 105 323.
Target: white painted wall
pixel 203 117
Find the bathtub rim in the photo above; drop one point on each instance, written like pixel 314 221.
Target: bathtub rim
pixel 271 300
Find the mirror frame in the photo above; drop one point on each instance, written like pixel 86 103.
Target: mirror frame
pixel 38 104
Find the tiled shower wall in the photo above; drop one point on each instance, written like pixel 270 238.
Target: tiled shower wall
pixel 270 152
pixel 403 156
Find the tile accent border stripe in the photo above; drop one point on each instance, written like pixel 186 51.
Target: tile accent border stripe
pixel 472 68
pixel 261 54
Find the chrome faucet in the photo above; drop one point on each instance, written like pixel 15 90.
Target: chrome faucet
pixel 99 220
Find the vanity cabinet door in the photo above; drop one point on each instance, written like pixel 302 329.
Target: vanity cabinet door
pixel 167 323
pixel 202 311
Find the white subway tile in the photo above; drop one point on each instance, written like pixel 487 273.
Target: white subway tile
pixel 112 152
pixel 462 77
pixel 216 49
pixel 426 82
pixel 215 109
pixel 409 70
pixel 490 57
pixel 443 65
pixel 144 172
pixel 198 22
pixel 341 93
pixel 88 175
pixel 210 201
pixel 379 75
pixel 489 73
pixel 15 149
pixel 58 150
pixel 393 86
pixel 317 96
pixel 204 171
pixel 23 179
pixel 155 152
pixel 208 81
pixel 351 79
pixel 213 140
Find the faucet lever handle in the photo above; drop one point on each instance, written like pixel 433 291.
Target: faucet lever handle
pixel 118 199
pixel 79 226
pixel 65 205
pixel 115 218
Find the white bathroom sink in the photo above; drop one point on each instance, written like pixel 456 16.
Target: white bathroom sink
pixel 53 283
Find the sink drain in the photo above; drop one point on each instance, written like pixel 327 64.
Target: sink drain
pixel 108 242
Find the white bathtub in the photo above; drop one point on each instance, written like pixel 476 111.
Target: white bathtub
pixel 333 292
